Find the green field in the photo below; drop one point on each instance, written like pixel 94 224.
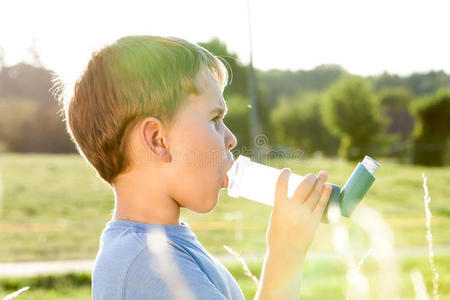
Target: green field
pixel 54 207
pixel 322 279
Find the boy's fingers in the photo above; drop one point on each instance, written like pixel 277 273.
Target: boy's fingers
pixel 324 197
pixel 305 187
pixel 314 197
pixel 281 187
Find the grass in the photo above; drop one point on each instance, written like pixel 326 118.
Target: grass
pixel 54 207
pixel 57 201
pixel 322 279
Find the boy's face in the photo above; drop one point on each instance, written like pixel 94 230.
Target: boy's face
pixel 200 147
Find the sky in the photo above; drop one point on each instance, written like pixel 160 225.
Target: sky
pixel 364 37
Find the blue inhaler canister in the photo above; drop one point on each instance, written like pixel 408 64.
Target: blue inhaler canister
pixel 354 189
pixel 257 182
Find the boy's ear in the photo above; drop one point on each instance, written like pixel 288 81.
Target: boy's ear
pixel 152 135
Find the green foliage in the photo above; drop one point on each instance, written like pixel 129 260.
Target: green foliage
pixel 47 281
pixel 388 81
pixel 418 83
pixel 394 104
pixel 237 71
pixel 16 121
pixel 298 123
pixel 278 84
pixel 423 84
pixel 43 131
pixel 395 98
pixel 237 119
pixel 352 112
pixel 27 126
pixel 238 87
pixel 432 131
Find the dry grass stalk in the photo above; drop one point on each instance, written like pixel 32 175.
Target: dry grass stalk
pixel 382 241
pixel 244 264
pixel 363 258
pixel 16 293
pixel 429 238
pixel 358 285
pixel 418 284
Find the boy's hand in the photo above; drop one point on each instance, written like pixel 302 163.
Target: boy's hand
pixel 294 220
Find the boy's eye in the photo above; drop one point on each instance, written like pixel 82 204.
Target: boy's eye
pixel 216 119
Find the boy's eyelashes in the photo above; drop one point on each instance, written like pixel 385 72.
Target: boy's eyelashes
pixel 216 119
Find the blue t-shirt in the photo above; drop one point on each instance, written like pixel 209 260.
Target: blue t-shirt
pixel 149 261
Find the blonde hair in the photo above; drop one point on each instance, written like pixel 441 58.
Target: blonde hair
pixel 133 78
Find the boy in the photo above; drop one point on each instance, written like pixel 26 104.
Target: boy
pixel 147 114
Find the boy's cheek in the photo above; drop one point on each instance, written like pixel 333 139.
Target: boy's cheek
pixel 196 193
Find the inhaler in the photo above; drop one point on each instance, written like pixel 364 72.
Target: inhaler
pixel 255 181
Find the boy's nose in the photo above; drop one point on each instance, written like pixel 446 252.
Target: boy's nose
pixel 231 140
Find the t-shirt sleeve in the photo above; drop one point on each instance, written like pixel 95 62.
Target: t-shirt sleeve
pixel 172 275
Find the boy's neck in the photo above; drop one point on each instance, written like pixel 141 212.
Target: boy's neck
pixel 136 211
pixel 144 202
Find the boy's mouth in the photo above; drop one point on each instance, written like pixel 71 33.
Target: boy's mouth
pixel 226 175
pixel 226 180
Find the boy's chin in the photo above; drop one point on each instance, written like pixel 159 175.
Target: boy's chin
pixel 224 183
pixel 205 208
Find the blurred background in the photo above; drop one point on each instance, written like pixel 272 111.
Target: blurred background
pixel 328 81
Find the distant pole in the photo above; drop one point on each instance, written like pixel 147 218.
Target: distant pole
pixel 254 122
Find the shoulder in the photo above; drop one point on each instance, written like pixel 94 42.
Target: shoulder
pixel 118 250
pixel 167 273
pixel 131 265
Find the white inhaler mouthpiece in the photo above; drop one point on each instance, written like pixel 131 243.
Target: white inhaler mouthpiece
pixel 256 181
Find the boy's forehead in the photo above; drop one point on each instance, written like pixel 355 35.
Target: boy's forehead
pixel 210 90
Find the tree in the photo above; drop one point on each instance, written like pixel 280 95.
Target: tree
pixel 28 113
pixel 238 86
pixel 298 123
pixel 432 130
pixel 352 112
pixel 27 126
pixel 237 119
pixel 238 75
pixel 279 83
pixel 418 83
pixel 388 81
pixel 394 104
pixel 16 123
